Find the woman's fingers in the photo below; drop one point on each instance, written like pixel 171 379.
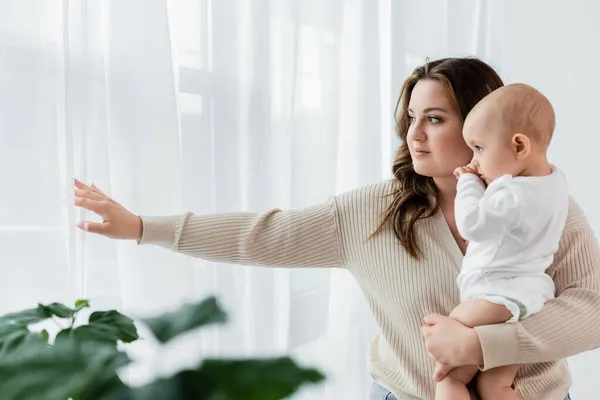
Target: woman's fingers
pixel 80 185
pixel 98 207
pixel 91 192
pixel 87 194
pixel 117 221
pixel 97 190
pixel 94 227
pixel 92 188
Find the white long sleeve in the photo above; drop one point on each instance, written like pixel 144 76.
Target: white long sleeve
pixel 482 214
pixel 514 227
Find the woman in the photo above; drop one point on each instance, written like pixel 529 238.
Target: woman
pixel 399 240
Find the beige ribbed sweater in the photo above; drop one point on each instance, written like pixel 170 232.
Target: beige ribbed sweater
pixel 401 291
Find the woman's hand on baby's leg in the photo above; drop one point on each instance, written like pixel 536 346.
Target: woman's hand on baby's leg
pixel 117 221
pixel 450 341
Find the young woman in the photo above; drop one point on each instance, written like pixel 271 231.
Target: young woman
pixel 399 240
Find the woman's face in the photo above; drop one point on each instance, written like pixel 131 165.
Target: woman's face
pixel 435 137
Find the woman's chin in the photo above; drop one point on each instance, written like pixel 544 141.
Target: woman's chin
pixel 424 169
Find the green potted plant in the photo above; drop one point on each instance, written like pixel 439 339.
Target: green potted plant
pixel 83 360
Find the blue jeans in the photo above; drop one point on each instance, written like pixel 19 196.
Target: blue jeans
pixel 378 392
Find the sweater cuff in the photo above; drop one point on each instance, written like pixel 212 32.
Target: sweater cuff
pixel 499 344
pixel 158 231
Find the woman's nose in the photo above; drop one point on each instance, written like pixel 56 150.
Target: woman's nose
pixel 417 133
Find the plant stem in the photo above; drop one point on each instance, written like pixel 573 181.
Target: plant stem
pixel 56 323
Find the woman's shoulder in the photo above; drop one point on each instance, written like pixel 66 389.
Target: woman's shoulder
pixel 576 218
pixel 376 191
pixel 370 199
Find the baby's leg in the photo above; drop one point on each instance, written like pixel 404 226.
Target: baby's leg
pixel 496 384
pixel 454 385
pixel 477 312
pixel 471 313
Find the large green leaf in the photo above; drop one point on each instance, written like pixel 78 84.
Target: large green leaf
pixel 103 326
pixel 158 390
pixel 25 317
pixel 173 388
pixel 268 379
pixel 113 323
pixel 66 370
pixel 12 336
pixel 58 310
pixel 110 389
pixel 188 317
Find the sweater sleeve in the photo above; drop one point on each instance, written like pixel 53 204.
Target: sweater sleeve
pixel 296 238
pixel 482 214
pixel 567 325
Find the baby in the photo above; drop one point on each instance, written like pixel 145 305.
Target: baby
pixel 513 226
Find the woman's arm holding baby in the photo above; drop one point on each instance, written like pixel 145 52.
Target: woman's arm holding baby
pixel 566 326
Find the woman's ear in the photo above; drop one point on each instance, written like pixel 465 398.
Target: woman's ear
pixel 521 145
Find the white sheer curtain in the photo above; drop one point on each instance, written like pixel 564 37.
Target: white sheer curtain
pixel 210 106
pixel 229 105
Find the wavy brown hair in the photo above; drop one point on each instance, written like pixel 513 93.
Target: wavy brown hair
pixel 466 81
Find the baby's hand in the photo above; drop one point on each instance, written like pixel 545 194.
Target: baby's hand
pixel 467 169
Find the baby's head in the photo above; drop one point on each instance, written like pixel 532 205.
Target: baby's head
pixel 509 132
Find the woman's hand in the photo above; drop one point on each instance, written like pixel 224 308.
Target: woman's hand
pixel 450 343
pixel 117 221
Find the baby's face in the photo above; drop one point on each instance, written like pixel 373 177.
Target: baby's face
pixel 493 153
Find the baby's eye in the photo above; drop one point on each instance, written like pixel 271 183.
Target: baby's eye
pixel 478 149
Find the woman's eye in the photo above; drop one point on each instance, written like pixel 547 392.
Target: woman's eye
pixel 434 120
pixel 411 119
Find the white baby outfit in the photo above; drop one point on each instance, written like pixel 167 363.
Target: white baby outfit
pixel 513 228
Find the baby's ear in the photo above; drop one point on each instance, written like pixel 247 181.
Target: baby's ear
pixel 521 145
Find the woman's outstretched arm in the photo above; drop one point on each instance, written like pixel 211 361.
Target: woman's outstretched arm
pixel 294 238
